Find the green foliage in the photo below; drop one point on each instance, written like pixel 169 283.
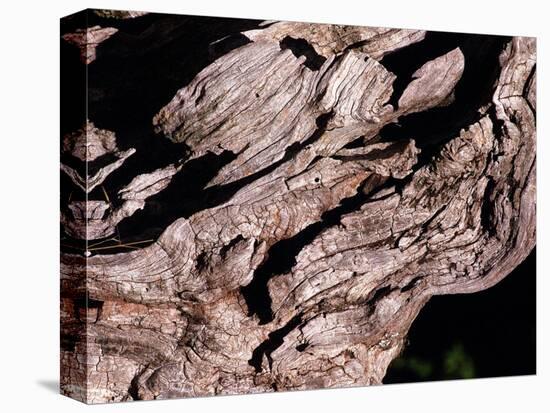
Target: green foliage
pixel 421 368
pixel 453 363
pixel 457 364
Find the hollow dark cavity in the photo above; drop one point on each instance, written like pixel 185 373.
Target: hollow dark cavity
pixel 231 244
pixel 275 340
pixel 356 143
pixel 281 257
pixel 376 154
pixel 67 340
pixel 87 302
pixel 133 390
pixel 372 299
pixel 525 89
pixel 301 47
pixel 486 208
pixel 434 127
pixel 411 284
pixel 201 261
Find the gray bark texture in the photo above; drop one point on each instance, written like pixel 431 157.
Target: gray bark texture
pixel 311 273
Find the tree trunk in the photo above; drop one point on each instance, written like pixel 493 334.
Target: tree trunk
pixel 370 171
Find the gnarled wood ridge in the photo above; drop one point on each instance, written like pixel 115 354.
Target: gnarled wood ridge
pixel 351 210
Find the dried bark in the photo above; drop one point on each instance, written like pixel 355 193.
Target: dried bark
pixel 120 14
pixel 88 39
pixel 310 274
pixel 88 220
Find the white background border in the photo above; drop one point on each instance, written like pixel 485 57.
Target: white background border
pixel 29 148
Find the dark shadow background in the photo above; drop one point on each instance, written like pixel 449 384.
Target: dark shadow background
pixel 486 334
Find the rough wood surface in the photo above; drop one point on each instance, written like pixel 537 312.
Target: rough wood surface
pixel 310 274
pixel 120 14
pixel 88 39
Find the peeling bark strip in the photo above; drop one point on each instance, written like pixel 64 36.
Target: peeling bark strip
pixel 357 183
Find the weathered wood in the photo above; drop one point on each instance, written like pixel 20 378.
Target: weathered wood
pixel 120 14
pixel 363 234
pixel 88 39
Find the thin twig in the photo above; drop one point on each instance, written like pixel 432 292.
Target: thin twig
pixel 128 244
pixel 104 241
pixel 105 193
